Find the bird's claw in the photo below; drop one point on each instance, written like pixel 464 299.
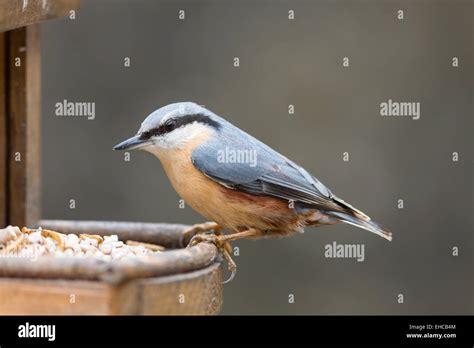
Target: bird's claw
pixel 207 227
pixel 224 247
pixel 231 266
pixel 207 238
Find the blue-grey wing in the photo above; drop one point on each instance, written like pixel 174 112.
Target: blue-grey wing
pixel 239 161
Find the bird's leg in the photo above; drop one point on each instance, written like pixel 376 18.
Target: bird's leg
pixel 220 240
pixel 222 243
pixel 250 233
pixel 193 230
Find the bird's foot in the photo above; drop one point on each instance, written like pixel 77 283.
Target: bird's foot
pixel 224 247
pixel 206 227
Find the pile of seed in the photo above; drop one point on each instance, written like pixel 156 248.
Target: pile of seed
pixel 42 242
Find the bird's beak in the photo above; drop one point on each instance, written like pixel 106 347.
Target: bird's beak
pixel 132 144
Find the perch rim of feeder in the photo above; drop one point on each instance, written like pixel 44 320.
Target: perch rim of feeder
pixel 174 261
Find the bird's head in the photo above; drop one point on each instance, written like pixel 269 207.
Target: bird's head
pixel 172 127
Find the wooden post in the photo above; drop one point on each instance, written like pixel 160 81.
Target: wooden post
pixel 23 121
pixel 3 134
pixel 19 13
pixel 20 106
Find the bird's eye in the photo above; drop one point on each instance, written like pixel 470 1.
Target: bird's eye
pixel 169 125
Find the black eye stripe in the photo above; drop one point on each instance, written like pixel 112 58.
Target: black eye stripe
pixel 172 124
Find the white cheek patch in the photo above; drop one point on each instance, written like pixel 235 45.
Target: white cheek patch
pixel 179 137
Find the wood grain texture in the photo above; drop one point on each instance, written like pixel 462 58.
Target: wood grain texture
pixel 19 13
pixel 195 293
pixel 48 297
pixel 3 133
pixel 202 292
pixel 23 110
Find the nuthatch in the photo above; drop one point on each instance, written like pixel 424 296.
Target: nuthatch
pixel 237 181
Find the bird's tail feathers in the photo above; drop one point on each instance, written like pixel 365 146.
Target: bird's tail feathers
pixel 350 209
pixel 364 223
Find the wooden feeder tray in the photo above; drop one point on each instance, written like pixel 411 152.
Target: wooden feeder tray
pixel 175 281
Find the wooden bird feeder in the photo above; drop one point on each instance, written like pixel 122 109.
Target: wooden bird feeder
pixel 176 281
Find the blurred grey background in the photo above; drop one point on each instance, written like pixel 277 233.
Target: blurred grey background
pixel 337 109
